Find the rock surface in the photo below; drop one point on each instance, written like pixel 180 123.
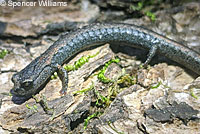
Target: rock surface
pixel 163 98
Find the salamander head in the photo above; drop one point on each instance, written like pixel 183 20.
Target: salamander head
pixel 23 86
pixel 30 80
pixel 25 83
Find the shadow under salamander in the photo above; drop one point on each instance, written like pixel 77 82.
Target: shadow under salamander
pixel 141 54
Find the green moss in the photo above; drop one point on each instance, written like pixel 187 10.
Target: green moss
pixel 10 94
pixel 127 80
pixel 54 76
pixel 84 90
pixel 33 108
pixel 44 104
pixel 3 53
pixel 114 87
pixel 136 8
pixel 193 94
pixel 145 7
pixel 53 115
pixel 102 100
pixel 157 85
pixel 112 92
pixel 79 63
pixel 7 93
pixel 96 114
pixel 151 15
pixel 35 98
pixel 124 80
pixel 101 75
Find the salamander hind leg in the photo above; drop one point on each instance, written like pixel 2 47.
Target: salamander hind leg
pixel 152 52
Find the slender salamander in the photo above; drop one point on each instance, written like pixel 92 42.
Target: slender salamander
pixel 29 80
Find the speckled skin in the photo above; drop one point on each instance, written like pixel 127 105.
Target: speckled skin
pixel 32 77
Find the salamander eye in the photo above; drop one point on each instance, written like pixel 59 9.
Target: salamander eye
pixel 27 84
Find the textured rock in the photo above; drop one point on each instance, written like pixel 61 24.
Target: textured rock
pixel 163 99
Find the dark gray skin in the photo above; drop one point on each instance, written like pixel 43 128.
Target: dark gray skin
pixel 28 81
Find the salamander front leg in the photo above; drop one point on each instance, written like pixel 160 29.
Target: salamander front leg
pixel 152 52
pixel 63 75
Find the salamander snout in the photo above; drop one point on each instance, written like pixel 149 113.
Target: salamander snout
pixel 18 91
pixel 22 86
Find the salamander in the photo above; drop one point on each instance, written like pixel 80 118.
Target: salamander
pixel 29 80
